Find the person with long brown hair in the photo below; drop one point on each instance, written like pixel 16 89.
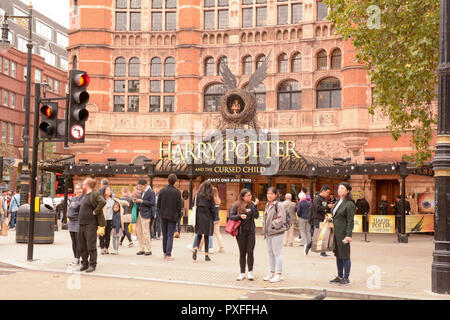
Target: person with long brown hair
pixel 204 217
pixel 246 211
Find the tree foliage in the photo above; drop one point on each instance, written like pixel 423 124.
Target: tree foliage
pixel 398 42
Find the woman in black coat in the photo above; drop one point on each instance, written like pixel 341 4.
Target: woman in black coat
pixel 204 218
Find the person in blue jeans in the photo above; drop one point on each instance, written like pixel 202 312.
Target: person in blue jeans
pixel 13 208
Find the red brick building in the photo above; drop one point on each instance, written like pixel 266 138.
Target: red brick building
pixel 154 67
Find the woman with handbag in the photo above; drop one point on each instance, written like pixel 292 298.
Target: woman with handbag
pixel 343 219
pixel 73 225
pixel 204 216
pixel 245 211
pixel 274 227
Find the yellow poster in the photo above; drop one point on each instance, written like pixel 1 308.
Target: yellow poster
pixel 260 220
pixel 381 224
pixel 357 227
pixel 223 215
pixel 419 223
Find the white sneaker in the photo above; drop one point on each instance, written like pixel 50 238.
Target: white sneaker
pixel 268 277
pixel 240 277
pixel 250 276
pixel 297 240
pixel 211 250
pixel 277 278
pixel 190 247
pixel 75 262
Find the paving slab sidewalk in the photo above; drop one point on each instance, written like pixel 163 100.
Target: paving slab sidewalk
pixel 381 268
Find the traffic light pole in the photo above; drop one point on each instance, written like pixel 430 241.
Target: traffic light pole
pixel 33 177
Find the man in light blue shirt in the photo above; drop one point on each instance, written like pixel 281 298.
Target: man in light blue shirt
pixel 13 208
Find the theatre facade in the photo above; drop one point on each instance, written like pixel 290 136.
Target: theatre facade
pixel 156 78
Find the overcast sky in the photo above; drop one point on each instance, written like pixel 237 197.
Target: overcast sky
pixel 57 10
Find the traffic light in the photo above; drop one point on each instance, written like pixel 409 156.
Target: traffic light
pixel 49 118
pixel 78 98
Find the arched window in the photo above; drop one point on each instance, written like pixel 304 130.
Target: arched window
pixel 155 67
pixel 120 67
pixel 297 62
pixel 283 63
pixel 169 67
pixel 329 93
pixel 209 66
pixel 322 60
pixel 213 97
pixel 247 65
pixel 259 60
pixel 222 60
pixel 289 96
pixel 336 59
pixel 133 67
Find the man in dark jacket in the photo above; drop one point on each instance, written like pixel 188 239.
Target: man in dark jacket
pixel 146 206
pixel 92 223
pixel 319 210
pixel 398 209
pixel 363 209
pixel 169 208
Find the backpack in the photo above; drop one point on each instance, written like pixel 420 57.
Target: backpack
pixel 287 224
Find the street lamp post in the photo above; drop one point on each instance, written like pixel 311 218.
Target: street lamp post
pixel 440 268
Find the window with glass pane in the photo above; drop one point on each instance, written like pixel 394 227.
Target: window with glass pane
pixel 157 21
pixel 169 67
pixel 212 97
pixel 223 19
pixel 247 1
pixel 6 66
pixel 155 104
pixel 221 61
pixel 209 67
pixel 329 93
pixel 210 3
pixel 135 21
pixel 283 63
pixel 56 86
pixel 120 67
pixel 13 100
pixel 5 97
pixel 155 67
pixel 247 17
pixel 37 76
pixel 297 62
pixel 155 86
pixel 169 86
pixel 13 69
pixel 50 84
pixel 336 59
pixel 133 104
pixel 171 4
pixel 156 4
pixel 247 65
pixel 11 133
pixel 121 4
pixel 62 40
pixel 134 67
pixel 133 85
pixel 282 15
pixel 297 12
pixel 261 16
pixel 44 30
pixel 223 3
pixel 260 94
pixel 208 19
pixel 169 103
pixel 135 4
pixel 64 64
pixel 322 60
pixel 119 103
pixel 260 60
pixel 22 44
pixel 121 21
pixel 171 20
pixel 322 11
pixel 289 96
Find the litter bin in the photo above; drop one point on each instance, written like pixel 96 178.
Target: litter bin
pixel 44 224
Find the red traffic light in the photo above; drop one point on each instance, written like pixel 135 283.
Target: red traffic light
pixel 81 80
pixel 48 111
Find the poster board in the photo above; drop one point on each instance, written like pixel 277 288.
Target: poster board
pixel 381 224
pixel 425 203
pixel 418 223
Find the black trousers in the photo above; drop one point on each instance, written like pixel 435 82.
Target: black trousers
pixel 206 240
pixel 74 237
pixel 106 239
pixel 126 233
pixel 246 241
pixel 153 227
pixel 87 241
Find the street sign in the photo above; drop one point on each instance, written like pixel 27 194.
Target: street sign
pixel 77 132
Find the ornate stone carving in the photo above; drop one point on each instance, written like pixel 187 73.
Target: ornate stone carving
pixel 324 119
